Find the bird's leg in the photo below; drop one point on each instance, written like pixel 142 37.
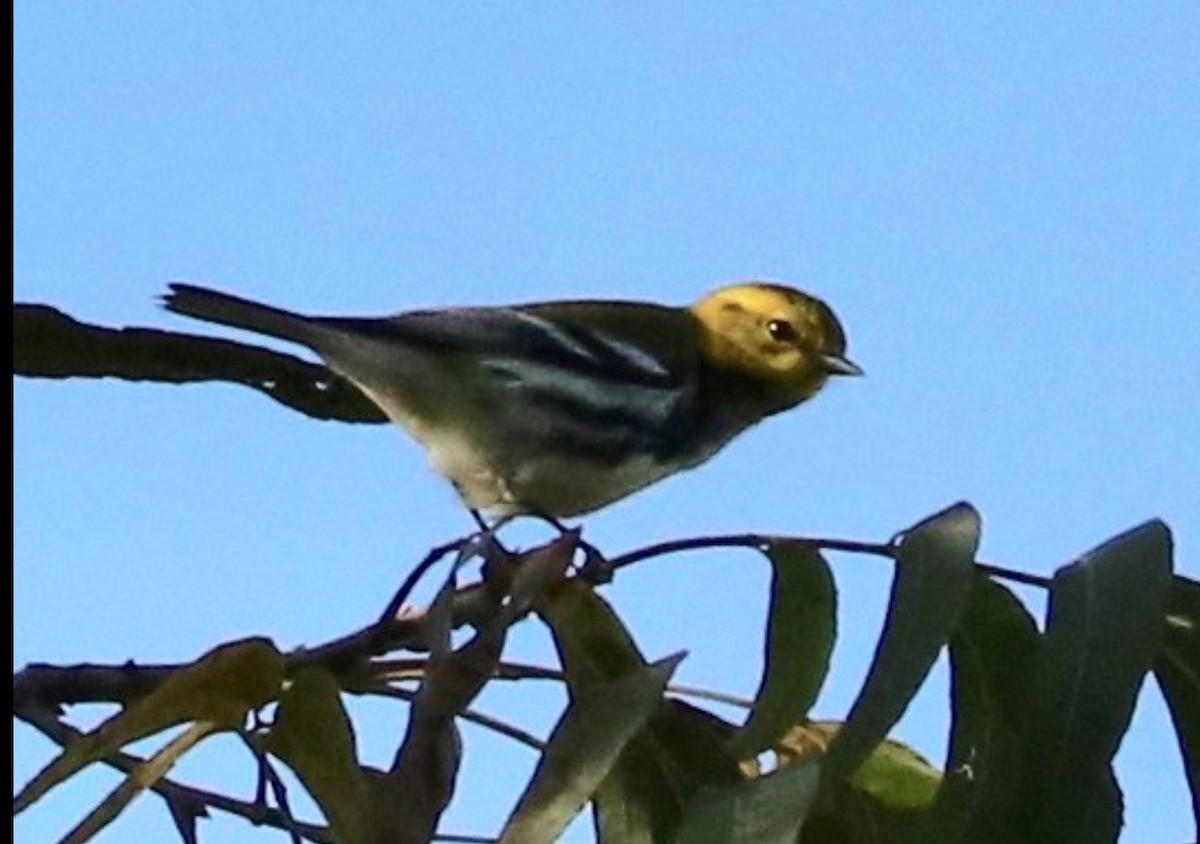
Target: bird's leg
pixel 595 568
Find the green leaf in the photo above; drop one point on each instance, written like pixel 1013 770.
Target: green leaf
pixel 641 800
pixel 593 645
pixel 884 800
pixel 801 626
pixel 898 777
pixel 849 816
pixel 144 776
pixel 1104 631
pixel 539 572
pixel 681 750
pixel 583 748
pixel 992 660
pixel 765 810
pixel 1178 672
pixel 691 747
pixel 219 688
pixel 894 774
pixel 313 734
pixel 635 804
pixel 934 572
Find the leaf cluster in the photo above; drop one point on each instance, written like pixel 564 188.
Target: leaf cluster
pixel 1037 711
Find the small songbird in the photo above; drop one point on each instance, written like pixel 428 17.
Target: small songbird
pixel 559 408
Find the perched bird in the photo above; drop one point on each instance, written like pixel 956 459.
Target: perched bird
pixel 559 408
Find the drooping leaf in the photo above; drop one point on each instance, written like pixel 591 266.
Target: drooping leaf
pixel 641 800
pixel 681 750
pixel 221 688
pixel 691 744
pixel 801 626
pixel 635 803
pixel 539 572
pixel 313 735
pixel 765 810
pixel 185 812
pixel 846 815
pixel 142 777
pixel 1104 631
pixel 583 748
pixel 992 658
pixel 932 585
pixel 1178 672
pixel 898 777
pixel 882 803
pixel 407 801
pixel 593 645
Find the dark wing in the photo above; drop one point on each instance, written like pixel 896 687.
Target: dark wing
pixel 610 378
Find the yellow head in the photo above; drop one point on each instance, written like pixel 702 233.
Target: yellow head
pixel 786 342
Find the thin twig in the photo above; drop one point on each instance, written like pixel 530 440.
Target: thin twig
pixel 64 734
pixel 762 541
pixel 710 694
pixel 400 670
pixel 281 800
pixel 40 690
pixel 1015 576
pixel 136 781
pixel 474 716
pixel 269 779
pixel 403 670
pixel 743 540
pixel 414 577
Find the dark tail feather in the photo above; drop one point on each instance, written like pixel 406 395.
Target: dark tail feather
pixel 214 306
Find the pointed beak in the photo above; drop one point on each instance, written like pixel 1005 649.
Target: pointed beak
pixel 838 365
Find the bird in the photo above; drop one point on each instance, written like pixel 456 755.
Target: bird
pixel 557 409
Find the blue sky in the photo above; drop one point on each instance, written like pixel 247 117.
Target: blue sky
pixel 1002 204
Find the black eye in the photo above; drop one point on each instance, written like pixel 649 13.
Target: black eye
pixel 782 331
